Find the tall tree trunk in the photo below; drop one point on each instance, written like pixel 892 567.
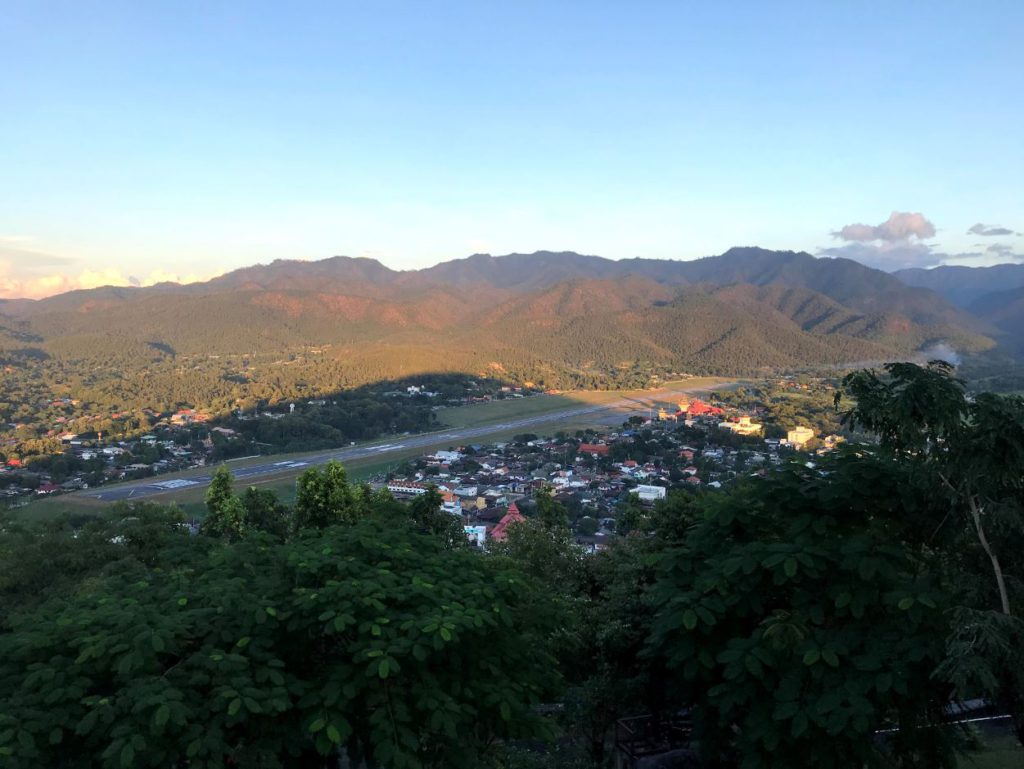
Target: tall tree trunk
pixel 1004 597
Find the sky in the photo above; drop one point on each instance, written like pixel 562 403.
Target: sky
pixel 152 141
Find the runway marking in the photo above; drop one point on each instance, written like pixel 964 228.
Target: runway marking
pixel 174 483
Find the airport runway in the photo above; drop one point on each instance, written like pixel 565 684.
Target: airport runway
pixel 163 484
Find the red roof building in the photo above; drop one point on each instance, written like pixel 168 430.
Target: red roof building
pixel 600 449
pixel 500 532
pixel 697 408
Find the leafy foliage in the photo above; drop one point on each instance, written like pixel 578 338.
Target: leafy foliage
pixel 800 614
pixel 365 638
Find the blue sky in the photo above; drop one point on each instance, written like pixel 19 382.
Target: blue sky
pixel 151 140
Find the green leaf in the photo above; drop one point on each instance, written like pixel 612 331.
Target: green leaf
pixel 271 611
pixel 162 714
pixel 383 667
pixel 790 567
pixel 690 619
pixel 127 756
pixel 812 657
pixel 317 725
pixel 506 712
pixel 234 707
pixel 182 601
pixel 333 734
pixel 905 603
pixel 753 666
pixel 242 642
pixel 799 724
pixel 830 657
pixel 786 710
pixel 56 735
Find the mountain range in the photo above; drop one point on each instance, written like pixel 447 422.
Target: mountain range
pixel 993 294
pixel 559 318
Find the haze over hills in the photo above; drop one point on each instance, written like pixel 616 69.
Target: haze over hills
pixel 964 286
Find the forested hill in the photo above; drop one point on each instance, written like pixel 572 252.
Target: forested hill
pixel 843 280
pixel 965 286
pixel 556 319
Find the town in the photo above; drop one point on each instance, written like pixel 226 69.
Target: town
pixel 607 481
pixel 686 444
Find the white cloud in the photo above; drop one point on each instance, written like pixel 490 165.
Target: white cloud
pixel 36 286
pixel 899 226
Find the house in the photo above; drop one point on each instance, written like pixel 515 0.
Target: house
pixel 698 408
pixel 829 442
pixel 445 457
pixel 500 532
pixel 476 534
pixel 649 493
pixel 593 543
pixel 594 449
pixel 451 504
pixel 407 488
pixel 743 426
pixel 799 436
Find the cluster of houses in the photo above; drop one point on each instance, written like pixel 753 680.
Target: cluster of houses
pixel 681 447
pixel 596 474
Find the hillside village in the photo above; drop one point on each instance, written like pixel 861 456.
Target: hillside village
pixel 688 444
pixel 124 447
pixel 606 480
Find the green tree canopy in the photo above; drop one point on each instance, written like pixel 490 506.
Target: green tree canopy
pixel 801 613
pixel 225 513
pixel 324 498
pixel 369 638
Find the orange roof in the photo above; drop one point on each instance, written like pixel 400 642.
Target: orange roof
pixel 500 531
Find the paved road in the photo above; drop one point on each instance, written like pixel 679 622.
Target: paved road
pixel 151 487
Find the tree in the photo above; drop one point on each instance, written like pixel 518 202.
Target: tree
pixel 428 517
pixel 969 450
pixel 225 513
pixel 264 512
pixel 803 612
pixel 325 498
pixel 550 514
pixel 369 639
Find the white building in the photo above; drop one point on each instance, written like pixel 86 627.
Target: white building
pixel 649 493
pixel 743 427
pixel 447 457
pixel 407 487
pixel 476 534
pixel 799 436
